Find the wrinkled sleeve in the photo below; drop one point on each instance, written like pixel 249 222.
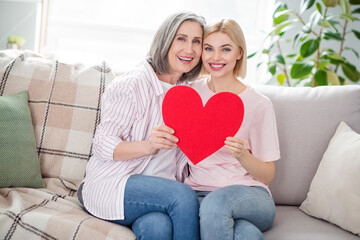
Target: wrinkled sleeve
pixel 263 138
pixel 117 117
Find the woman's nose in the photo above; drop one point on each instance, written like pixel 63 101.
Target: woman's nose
pixel 217 55
pixel 189 48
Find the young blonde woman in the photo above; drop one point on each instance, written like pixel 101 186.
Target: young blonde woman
pixel 233 181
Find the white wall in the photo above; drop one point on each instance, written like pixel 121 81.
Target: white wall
pixel 18 17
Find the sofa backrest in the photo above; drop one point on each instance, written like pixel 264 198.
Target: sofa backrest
pixel 64 100
pixel 307 119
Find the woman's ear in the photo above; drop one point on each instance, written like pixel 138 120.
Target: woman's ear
pixel 240 54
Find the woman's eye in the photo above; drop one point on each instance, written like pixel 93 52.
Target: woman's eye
pixel 207 49
pixel 197 41
pixel 181 39
pixel 226 49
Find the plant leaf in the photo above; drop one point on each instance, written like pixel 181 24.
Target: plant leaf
pixel 357 34
pixel 342 80
pixel 334 36
pixel 251 55
pixel 335 59
pixel 336 56
pixel 282 25
pixel 320 77
pixel 347 17
pixel 350 71
pixel 332 78
pixel 272 69
pixel 306 28
pixel 356 11
pixel 280 59
pixel 355 2
pixel 280 7
pixel 330 3
pixel 305 5
pixel 300 70
pixel 315 18
pixel 331 23
pixel 281 78
pixel 354 51
pixel 345 6
pixel 319 8
pixel 322 63
pixel 282 15
pixel 309 47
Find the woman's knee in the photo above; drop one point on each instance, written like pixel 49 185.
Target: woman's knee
pixel 185 196
pixel 244 230
pixel 213 204
pixel 155 225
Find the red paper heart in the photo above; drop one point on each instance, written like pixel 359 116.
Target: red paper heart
pixel 201 130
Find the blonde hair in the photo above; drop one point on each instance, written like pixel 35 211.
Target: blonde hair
pixel 233 30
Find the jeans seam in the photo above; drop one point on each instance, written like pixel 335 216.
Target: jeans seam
pixel 140 227
pixel 148 204
pixel 247 197
pixel 229 206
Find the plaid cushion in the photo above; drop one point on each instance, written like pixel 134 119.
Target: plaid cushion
pixel 30 214
pixel 64 101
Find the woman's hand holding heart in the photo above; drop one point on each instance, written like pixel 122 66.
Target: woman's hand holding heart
pixel 161 137
pixel 237 147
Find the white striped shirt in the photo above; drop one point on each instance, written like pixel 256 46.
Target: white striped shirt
pixel 131 107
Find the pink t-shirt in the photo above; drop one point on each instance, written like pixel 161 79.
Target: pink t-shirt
pixel 258 128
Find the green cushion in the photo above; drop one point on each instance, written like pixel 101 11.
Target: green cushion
pixel 19 162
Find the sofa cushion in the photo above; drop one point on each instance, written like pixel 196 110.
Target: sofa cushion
pixel 307 119
pixel 334 191
pixel 64 100
pixel 19 162
pixel 292 224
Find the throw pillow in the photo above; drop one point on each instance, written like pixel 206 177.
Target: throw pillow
pixel 19 163
pixel 334 191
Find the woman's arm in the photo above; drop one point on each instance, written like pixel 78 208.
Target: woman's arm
pixel 261 171
pixel 161 137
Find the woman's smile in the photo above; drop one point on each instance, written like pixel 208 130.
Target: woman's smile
pixel 217 66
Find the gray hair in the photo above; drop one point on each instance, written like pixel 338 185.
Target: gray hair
pixel 163 38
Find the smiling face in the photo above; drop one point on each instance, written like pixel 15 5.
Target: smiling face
pixel 185 51
pixel 220 54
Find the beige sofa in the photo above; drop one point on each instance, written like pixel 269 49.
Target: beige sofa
pixel 64 100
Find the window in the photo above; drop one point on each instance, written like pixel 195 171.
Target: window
pixel 121 32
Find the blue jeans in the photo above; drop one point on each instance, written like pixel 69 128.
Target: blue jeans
pixel 158 208
pixel 236 212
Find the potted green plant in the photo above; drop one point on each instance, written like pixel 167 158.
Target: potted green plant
pixel 318 45
pixel 15 42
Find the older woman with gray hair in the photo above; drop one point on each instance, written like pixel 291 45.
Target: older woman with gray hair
pixel 134 176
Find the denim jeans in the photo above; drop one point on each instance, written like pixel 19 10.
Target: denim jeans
pixel 161 209
pixel 235 212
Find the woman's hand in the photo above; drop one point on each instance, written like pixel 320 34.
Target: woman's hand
pixel 237 147
pixel 262 171
pixel 161 137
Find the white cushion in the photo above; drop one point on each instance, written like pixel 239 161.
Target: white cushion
pixel 334 193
